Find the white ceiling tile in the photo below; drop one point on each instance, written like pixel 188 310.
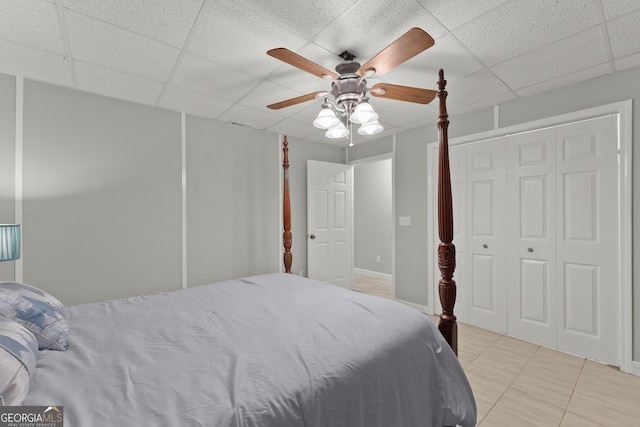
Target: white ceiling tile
pixel 520 26
pixel 257 119
pixel 566 56
pixel 210 78
pixel 551 84
pixel 401 113
pixel 32 23
pixel 166 20
pixel 112 47
pixel 267 93
pixel 18 60
pixel 474 88
pixel 220 36
pixel 92 78
pixel 485 103
pixel 615 8
pixel 453 13
pixel 628 62
pixel 624 34
pixel 194 103
pixel 362 31
pixel 305 18
pixel 293 128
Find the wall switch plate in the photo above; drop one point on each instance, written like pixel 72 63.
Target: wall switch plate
pixel 404 220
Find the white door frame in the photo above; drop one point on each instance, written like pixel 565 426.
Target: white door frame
pixel 386 156
pixel 624 110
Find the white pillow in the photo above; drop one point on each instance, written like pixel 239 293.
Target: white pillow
pixel 18 356
pixel 38 311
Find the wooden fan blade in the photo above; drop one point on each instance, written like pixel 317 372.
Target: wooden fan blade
pixel 296 100
pixel 403 93
pixel 406 47
pixel 292 58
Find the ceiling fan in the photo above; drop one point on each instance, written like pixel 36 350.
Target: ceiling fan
pixel 349 87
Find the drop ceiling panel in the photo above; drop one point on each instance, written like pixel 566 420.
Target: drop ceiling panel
pixel 565 80
pixel 293 128
pixel 210 78
pixel 615 8
pixel 194 103
pixel 222 35
pixel 31 23
pixel 257 119
pixel 92 78
pixel 564 57
pixel 625 35
pixel 628 62
pixel 305 18
pixel 112 47
pixel 474 88
pixel 166 20
pixel 520 26
pixel 36 64
pixel 263 95
pixel 454 13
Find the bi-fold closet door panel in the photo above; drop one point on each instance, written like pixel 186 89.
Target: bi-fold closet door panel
pixel 587 221
pixel 531 259
pixel 486 248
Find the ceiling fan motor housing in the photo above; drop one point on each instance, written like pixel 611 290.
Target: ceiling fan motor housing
pixel 349 89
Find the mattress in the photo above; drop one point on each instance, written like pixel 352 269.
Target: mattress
pixel 273 350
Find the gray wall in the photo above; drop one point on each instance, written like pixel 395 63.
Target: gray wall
pixel 232 201
pixel 7 156
pixel 373 216
pixel 102 195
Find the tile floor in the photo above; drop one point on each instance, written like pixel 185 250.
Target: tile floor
pixel 517 383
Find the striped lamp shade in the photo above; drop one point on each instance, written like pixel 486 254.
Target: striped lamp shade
pixel 9 242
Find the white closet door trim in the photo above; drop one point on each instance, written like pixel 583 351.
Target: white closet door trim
pixel 624 110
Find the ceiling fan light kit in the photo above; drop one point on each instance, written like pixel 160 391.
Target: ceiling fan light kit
pixel 350 103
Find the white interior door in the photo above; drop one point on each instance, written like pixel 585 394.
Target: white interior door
pixel 587 242
pixel 486 244
pixel 531 260
pixel 329 222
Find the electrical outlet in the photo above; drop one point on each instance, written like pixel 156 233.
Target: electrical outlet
pixel 378 258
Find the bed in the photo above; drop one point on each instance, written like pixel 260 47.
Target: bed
pixel 274 350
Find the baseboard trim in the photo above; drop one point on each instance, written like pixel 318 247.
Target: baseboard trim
pixel 371 273
pixel 635 368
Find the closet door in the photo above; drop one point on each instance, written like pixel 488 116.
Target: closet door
pixel 587 245
pixel 531 266
pixel 486 245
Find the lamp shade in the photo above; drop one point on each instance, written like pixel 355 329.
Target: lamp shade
pixel 364 113
pixel 336 132
pixel 370 128
pixel 326 119
pixel 9 242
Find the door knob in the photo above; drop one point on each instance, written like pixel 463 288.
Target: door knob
pixel 312 236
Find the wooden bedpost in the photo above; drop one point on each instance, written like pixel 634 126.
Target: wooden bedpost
pixel 286 211
pixel 446 250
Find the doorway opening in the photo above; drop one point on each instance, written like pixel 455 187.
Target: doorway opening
pixel 373 226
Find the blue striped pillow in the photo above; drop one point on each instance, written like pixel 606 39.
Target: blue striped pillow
pixel 38 311
pixel 18 353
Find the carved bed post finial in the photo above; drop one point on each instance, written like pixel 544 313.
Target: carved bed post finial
pixel 286 211
pixel 446 249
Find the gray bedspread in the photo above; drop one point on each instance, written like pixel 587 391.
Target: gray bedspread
pixel 274 350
